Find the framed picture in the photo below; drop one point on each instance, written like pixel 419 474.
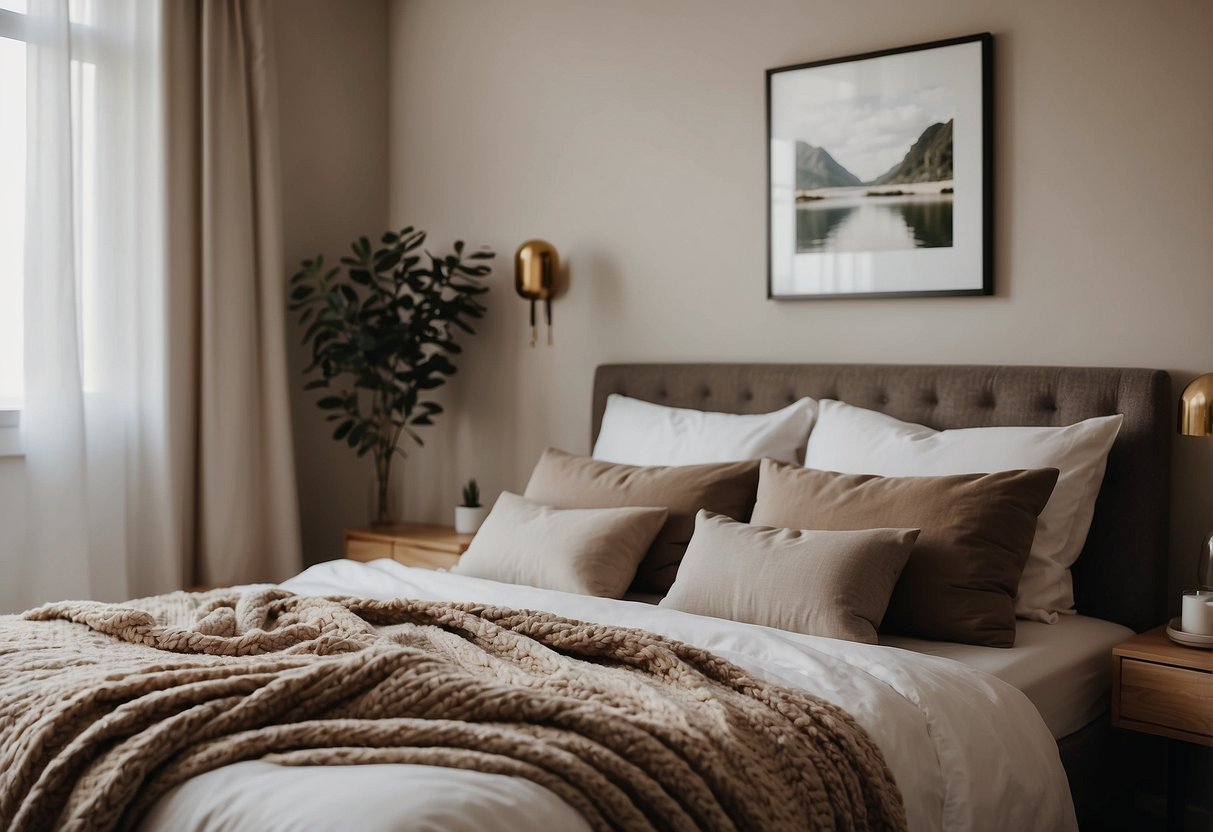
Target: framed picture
pixel 879 174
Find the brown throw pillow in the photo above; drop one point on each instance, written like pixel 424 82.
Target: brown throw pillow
pixel 566 481
pixel 833 584
pixel 960 581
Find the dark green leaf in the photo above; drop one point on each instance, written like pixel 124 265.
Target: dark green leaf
pixel 387 260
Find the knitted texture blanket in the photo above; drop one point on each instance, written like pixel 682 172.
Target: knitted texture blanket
pixel 105 707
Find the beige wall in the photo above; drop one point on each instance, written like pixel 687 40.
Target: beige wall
pixel 333 81
pixel 630 134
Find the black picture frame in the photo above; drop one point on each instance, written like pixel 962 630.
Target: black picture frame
pixel 965 258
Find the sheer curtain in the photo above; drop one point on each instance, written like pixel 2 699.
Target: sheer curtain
pixel 98 505
pixel 156 433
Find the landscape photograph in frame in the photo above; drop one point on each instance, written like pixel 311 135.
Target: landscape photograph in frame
pixel 879 173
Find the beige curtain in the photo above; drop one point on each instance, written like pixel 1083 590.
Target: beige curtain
pixel 231 451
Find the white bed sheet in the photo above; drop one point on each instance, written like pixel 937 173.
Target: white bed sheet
pixel 1064 668
pixel 967 750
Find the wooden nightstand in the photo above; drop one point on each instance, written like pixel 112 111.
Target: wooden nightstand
pixel 1160 687
pixel 413 544
pixel 1163 688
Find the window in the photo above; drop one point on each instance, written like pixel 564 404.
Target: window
pixel 12 204
pixel 13 133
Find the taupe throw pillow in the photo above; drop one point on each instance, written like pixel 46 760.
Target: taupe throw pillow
pixel 960 580
pixel 566 481
pixel 587 551
pixel 834 584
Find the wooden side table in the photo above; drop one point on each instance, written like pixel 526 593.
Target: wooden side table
pixel 413 544
pixel 1160 687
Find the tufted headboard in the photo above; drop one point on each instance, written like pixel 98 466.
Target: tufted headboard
pixel 1122 573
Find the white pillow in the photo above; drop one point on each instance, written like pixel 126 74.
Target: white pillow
pixel 590 551
pixel 853 440
pixel 636 432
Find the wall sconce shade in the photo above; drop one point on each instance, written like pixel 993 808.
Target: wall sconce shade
pixel 535 268
pixel 1196 407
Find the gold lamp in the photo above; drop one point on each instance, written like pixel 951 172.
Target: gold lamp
pixel 535 268
pixel 1196 407
pixel 1196 419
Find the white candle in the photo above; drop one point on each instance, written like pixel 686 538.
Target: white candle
pixel 1198 613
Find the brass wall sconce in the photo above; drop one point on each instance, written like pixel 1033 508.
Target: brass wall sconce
pixel 535 268
pixel 1196 419
pixel 1196 407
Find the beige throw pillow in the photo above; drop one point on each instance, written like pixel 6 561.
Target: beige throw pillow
pixel 566 481
pixel 833 584
pixel 586 551
pixel 960 581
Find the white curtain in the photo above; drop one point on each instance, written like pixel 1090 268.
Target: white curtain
pixel 148 467
pixel 98 505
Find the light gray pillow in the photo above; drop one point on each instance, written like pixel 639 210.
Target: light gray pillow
pixel 821 583
pixel 589 551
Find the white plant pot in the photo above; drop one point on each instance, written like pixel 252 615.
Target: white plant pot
pixel 468 520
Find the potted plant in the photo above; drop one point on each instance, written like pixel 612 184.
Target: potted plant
pixel 382 328
pixel 470 515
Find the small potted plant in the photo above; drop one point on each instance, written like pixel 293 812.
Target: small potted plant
pixel 471 514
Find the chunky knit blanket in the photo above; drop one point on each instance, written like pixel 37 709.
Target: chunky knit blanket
pixel 105 707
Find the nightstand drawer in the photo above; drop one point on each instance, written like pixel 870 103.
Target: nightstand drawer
pixel 365 550
pixel 1173 697
pixel 422 545
pixel 425 558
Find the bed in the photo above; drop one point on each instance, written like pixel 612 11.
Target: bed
pixel 974 737
pixel 1121 576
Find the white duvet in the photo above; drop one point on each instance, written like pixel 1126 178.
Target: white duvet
pixel 968 751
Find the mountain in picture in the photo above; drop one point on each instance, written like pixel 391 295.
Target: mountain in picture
pixel 816 168
pixel 928 160
pixel 908 206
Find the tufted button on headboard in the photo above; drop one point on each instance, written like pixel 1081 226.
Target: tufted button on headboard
pixel 1121 575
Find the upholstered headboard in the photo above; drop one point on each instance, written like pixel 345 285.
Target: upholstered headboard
pixel 1121 575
